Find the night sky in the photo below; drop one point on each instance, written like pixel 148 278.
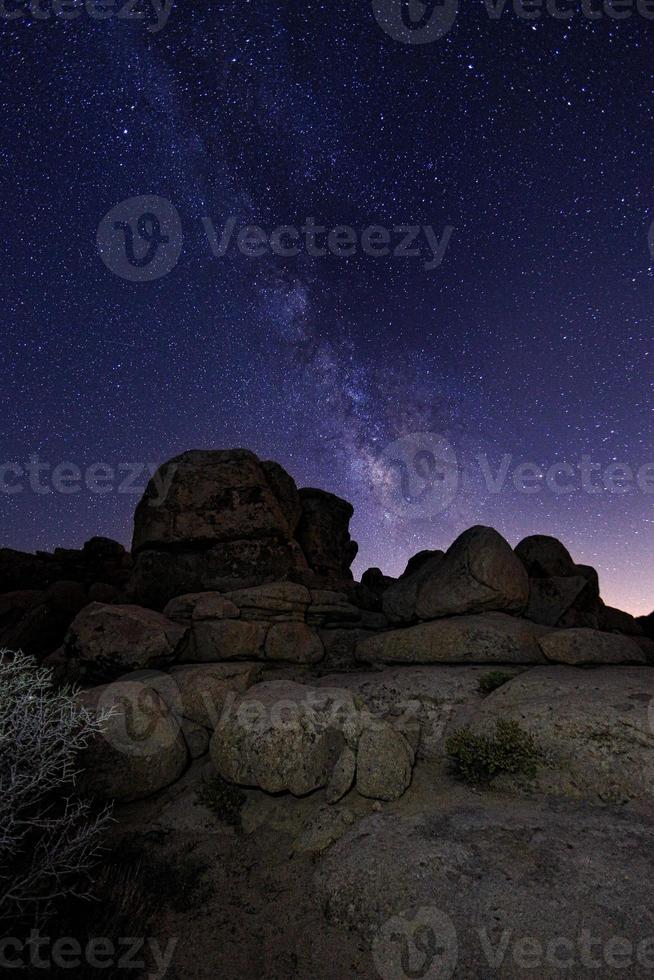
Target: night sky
pixel 532 139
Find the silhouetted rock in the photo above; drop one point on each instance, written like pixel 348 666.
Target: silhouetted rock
pixel 616 621
pixel 561 593
pixel 479 572
pixel 646 623
pixel 375 580
pixel 223 520
pixel 399 601
pixel 324 534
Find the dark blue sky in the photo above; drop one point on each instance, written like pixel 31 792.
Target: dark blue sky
pixel 531 341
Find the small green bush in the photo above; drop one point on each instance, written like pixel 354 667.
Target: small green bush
pixel 479 758
pixel 224 799
pixel 491 681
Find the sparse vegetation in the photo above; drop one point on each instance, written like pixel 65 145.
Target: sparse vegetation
pixel 492 680
pixel 222 798
pixel 50 837
pixel 479 758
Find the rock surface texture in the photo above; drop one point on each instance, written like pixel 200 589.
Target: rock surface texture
pixel 223 520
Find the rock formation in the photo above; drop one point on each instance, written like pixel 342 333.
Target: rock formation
pixel 241 600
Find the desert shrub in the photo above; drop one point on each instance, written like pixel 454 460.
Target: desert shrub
pixel 222 798
pixel 50 837
pixel 492 680
pixel 509 750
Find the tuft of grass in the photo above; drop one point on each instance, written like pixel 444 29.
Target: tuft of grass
pixel 491 681
pixel 510 750
pixel 222 798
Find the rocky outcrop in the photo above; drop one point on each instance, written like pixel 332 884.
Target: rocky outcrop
pixel 595 727
pixel 282 736
pixel 280 622
pixel 42 593
pixel 202 690
pixel 99 560
pixel 483 639
pixel 226 521
pixel 104 642
pixel 561 593
pixel 479 572
pixel 36 622
pixel 323 533
pixel 580 647
pixel 141 748
pixel 384 762
pixel 399 600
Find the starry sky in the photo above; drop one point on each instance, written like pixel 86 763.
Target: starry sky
pixel 531 341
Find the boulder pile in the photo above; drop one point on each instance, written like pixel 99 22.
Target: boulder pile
pixel 235 628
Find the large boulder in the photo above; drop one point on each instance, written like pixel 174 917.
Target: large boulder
pixel 545 557
pixel 282 736
pixel 141 747
pixel 580 647
pixel 106 641
pixel 384 762
pixel 324 534
pixel 216 520
pixel 561 593
pixel 479 572
pixel 203 689
pixel 594 726
pixel 221 495
pixel 399 600
pixel 211 641
pixel 482 639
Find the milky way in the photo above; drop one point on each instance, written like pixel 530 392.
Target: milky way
pixel 530 342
